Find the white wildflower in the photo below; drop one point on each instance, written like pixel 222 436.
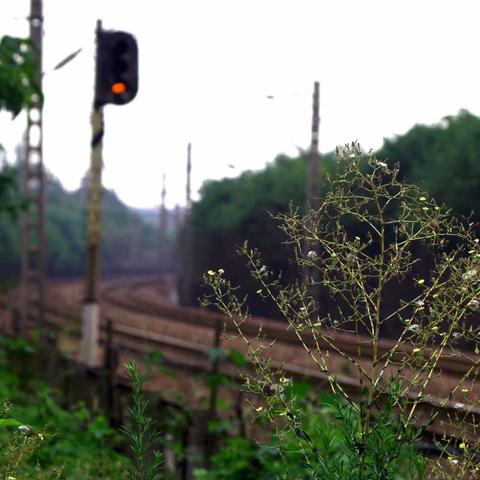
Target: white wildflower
pixel 381 164
pixel 312 254
pixel 469 274
pixel 475 304
pixel 351 257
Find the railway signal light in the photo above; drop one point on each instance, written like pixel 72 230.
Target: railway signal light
pixel 116 68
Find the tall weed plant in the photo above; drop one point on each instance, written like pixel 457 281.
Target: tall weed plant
pixel 141 433
pixel 386 254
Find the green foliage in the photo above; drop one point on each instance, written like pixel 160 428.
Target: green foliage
pixel 237 358
pixel 241 459
pixel 232 210
pixel 326 448
pixel 141 434
pixel 19 74
pixel 128 243
pixel 46 441
pixel 11 202
pixel 443 159
pixel 9 422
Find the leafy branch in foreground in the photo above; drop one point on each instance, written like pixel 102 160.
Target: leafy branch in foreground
pixel 146 461
pixel 19 74
pixel 385 253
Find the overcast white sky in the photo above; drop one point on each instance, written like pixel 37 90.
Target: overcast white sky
pixel 207 66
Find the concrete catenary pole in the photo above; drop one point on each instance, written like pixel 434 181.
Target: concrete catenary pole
pixel 188 241
pixel 91 308
pixel 162 233
pixel 313 190
pixel 33 231
pixel 313 187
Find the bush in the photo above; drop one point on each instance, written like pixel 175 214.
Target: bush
pixel 39 439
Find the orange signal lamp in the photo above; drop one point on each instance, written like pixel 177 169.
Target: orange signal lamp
pixel 119 88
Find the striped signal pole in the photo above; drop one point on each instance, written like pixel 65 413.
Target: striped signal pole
pixel 116 82
pixel 91 307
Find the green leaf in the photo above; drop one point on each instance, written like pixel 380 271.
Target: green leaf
pixel 215 380
pixel 297 389
pixel 9 422
pixel 237 358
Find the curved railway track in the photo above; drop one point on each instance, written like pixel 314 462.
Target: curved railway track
pixel 142 319
pixel 131 296
pixel 141 296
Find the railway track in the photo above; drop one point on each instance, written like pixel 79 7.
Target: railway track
pixel 142 320
pixel 142 298
pixel 130 296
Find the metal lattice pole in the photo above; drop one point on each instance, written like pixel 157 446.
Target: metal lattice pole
pixel 33 232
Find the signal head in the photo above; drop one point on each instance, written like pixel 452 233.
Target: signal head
pixel 116 68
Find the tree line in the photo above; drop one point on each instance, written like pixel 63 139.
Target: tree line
pixel 442 159
pixel 129 243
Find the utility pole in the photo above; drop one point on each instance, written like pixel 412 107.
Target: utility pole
pixel 162 233
pixel 188 240
pixel 310 274
pixel 313 190
pixel 91 309
pixel 189 174
pixel 33 231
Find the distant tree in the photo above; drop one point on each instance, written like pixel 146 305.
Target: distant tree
pixel 443 158
pixel 233 210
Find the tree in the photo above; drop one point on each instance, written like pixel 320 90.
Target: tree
pixel 443 158
pixel 232 210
